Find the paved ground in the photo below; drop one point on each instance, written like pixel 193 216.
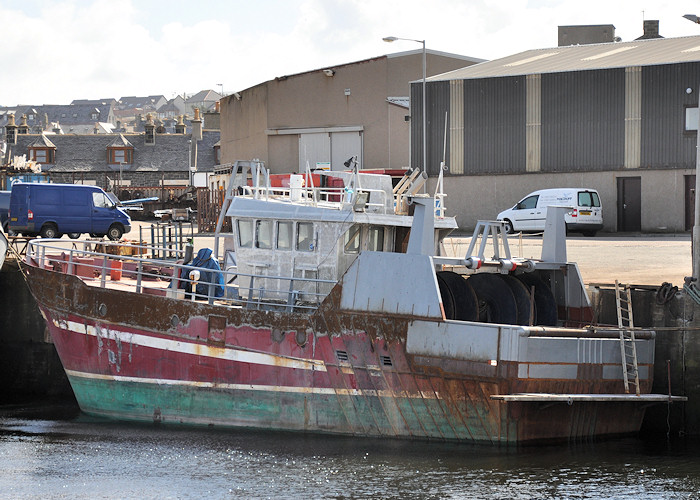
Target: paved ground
pixel 635 259
pixel 647 259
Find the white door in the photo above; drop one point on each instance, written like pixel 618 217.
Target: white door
pixel 314 148
pixel 345 145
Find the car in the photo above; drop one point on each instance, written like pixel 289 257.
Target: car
pixel 530 213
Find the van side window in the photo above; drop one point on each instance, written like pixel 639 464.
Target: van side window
pixel 529 202
pixel 100 200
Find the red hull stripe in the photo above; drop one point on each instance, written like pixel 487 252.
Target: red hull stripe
pixel 255 387
pixel 195 349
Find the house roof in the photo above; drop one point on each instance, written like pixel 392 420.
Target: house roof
pixel 584 57
pixel 204 96
pixel 42 142
pixel 88 153
pixel 206 155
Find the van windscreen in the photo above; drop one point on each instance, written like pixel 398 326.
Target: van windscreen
pixel 588 199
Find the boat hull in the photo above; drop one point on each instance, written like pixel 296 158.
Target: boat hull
pixel 151 358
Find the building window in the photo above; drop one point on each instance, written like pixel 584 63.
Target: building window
pixel 95 116
pixel 691 119
pixel 41 155
pixel 150 135
pixel 120 155
pixel 305 237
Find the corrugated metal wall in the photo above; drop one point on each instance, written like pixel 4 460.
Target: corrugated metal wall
pixel 665 143
pixel 589 121
pixel 583 121
pixel 437 101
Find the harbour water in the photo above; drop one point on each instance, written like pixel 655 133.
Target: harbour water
pixel 64 454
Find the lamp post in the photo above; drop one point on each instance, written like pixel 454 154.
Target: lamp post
pixel 696 224
pixel 222 88
pixel 393 39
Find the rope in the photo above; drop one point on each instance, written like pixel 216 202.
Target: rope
pixel 665 293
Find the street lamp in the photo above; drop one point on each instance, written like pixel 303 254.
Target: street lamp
pixel 393 39
pixel 222 88
pixel 696 224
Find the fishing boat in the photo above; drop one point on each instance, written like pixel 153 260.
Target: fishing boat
pixel 335 309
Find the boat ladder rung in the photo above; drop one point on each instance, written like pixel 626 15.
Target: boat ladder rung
pixel 628 347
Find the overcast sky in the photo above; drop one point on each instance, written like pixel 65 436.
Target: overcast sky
pixel 54 51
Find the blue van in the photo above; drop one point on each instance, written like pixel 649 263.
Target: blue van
pixel 54 209
pixel 4 208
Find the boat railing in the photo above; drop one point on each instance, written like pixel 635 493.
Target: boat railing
pixel 129 267
pixel 374 200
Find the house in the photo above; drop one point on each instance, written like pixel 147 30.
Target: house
pixel 324 117
pixel 132 165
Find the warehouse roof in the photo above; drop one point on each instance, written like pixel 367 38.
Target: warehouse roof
pixel 584 57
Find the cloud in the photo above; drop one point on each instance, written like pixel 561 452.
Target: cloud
pixel 57 51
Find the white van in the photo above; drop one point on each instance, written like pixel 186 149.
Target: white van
pixel 530 213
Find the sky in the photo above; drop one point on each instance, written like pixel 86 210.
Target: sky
pixel 55 51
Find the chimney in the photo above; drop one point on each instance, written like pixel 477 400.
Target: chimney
pixel 651 30
pixel 217 107
pixel 96 129
pixel 23 127
pixel 180 125
pixel 150 130
pixel 11 129
pixel 197 126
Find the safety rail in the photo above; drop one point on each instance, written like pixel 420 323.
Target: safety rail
pixel 128 267
pixel 313 196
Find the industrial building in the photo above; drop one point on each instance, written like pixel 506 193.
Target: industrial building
pixel 619 117
pixel 325 116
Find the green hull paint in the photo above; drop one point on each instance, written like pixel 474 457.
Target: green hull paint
pixel 329 413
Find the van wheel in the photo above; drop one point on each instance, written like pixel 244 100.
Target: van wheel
pixel 509 226
pixel 74 236
pixel 49 231
pixel 115 232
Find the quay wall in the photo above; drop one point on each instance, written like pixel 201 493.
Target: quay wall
pixel 30 368
pixel 676 317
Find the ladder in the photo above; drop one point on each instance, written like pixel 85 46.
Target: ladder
pixel 628 348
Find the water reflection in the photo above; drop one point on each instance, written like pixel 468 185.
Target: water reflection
pixel 81 457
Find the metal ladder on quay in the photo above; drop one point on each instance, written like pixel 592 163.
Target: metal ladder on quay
pixel 628 348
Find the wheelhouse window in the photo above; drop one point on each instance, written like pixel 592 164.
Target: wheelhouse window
pixel 263 234
pixel 245 233
pixel 305 237
pixel 375 239
pixel 285 234
pixel 351 240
